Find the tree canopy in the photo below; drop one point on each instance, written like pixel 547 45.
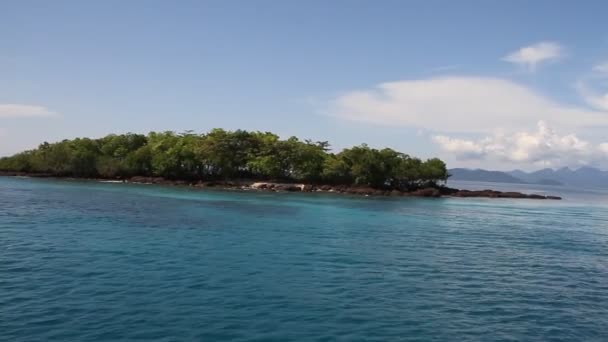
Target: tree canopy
pixel 221 154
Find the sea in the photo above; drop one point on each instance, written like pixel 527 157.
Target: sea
pixel 91 261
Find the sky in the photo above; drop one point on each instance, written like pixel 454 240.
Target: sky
pixel 490 84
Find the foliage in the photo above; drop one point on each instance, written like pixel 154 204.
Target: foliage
pixel 221 154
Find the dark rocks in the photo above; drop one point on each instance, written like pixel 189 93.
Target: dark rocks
pixel 307 188
pixel 10 174
pixel 148 180
pixel 427 192
pixel 287 187
pixel 25 174
pixel 244 184
pixel 477 193
pixel 359 191
pixel 204 184
pixel 346 189
pixel 396 193
pixel 447 191
pixel 499 194
pixel 511 195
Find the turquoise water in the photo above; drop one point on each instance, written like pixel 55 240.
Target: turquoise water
pixel 113 262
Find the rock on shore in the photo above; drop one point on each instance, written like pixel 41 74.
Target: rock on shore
pixel 344 189
pixel 500 194
pixel 299 187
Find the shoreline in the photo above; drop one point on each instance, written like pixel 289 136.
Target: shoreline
pixel 277 186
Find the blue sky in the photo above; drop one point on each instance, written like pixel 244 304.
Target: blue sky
pixel 511 84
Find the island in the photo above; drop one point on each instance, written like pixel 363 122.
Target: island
pixel 240 159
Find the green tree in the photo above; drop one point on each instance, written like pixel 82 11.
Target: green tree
pixel 222 154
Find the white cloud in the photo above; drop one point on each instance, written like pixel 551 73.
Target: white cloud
pixel 462 148
pixel 531 56
pixel 592 97
pixel 544 147
pixel 24 111
pixel 601 68
pixel 599 101
pixel 593 87
pixel 460 104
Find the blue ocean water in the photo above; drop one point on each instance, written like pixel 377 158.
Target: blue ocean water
pixel 84 261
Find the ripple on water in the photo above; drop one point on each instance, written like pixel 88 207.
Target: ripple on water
pixel 90 262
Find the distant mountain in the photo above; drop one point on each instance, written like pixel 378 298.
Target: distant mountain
pixel 483 176
pixel 544 176
pixel 584 176
pixel 518 174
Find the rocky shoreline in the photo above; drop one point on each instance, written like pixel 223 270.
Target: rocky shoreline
pixel 433 192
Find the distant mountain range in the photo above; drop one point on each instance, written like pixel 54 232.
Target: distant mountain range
pixel 584 176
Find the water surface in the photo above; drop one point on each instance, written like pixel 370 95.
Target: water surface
pixel 113 262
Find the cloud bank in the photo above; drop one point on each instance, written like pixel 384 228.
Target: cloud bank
pixel 543 147
pixel 24 111
pixel 533 55
pixel 460 104
pixel 595 98
pixel 602 69
pixel 499 110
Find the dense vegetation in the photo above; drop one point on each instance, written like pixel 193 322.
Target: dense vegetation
pixel 222 154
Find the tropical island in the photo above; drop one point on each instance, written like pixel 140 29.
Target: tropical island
pixel 242 160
